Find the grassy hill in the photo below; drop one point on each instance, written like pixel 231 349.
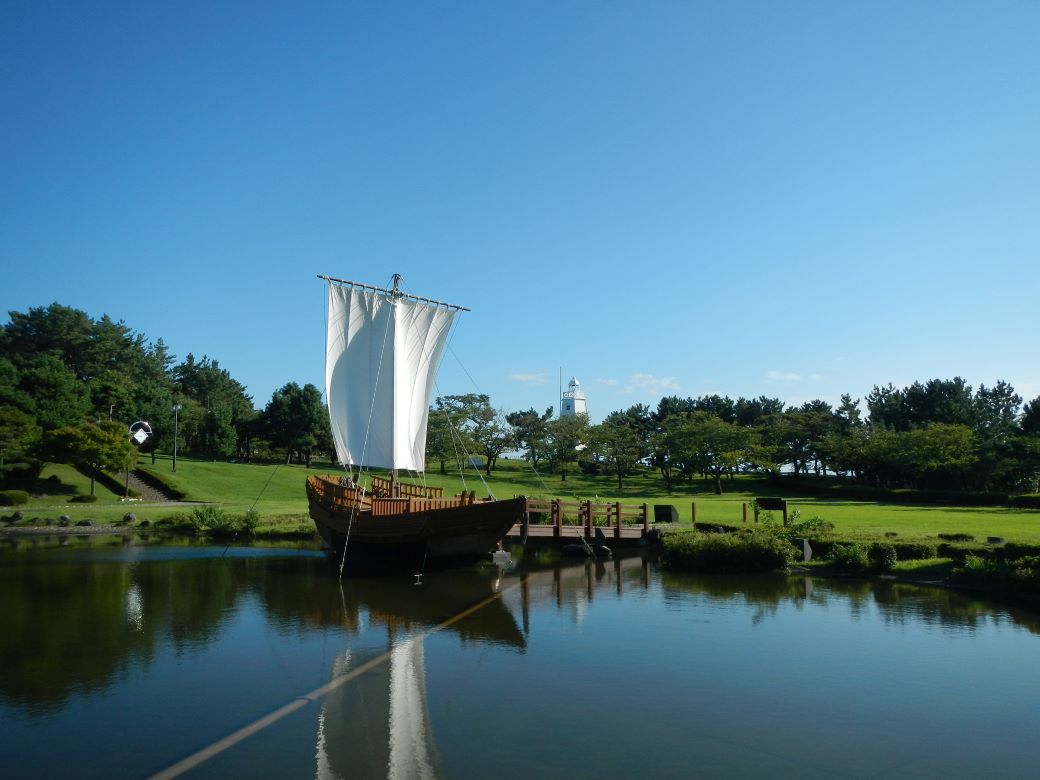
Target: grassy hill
pixel 277 491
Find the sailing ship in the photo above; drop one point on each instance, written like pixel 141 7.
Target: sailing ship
pixel 382 351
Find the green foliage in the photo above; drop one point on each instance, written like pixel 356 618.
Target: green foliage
pixel 913 551
pixel 13 497
pixel 851 556
pixel 1026 500
pixel 619 442
pixel 296 421
pixel 215 522
pixel 1021 575
pixel 753 551
pixel 883 556
pixel 810 528
pixel 84 499
pixel 957 537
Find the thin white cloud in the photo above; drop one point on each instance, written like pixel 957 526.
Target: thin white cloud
pixel 532 380
pixel 783 376
pixel 651 384
pixel 610 382
pixel 776 377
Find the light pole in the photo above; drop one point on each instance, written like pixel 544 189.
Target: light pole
pixel 176 409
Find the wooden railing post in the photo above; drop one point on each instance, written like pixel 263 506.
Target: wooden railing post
pixel 557 519
pixel 617 513
pixel 743 508
pixel 646 519
pixel 588 519
pixel 693 514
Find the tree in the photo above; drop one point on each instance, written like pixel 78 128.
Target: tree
pixel 619 442
pixel 1030 422
pixel 104 445
pixel 296 421
pixel 58 397
pixel 530 432
pixel 717 447
pixel 18 433
pixel 567 436
pixel 446 435
pixel 492 435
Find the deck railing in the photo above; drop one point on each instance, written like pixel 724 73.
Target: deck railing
pixel 407 490
pixel 591 514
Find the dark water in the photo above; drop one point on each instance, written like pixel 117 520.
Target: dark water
pixel 120 660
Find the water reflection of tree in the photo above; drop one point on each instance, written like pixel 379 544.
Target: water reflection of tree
pixel 79 626
pixel 895 602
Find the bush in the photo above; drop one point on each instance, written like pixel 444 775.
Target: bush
pixel 851 557
pixel 85 523
pixel 1026 501
pixel 883 556
pixel 216 522
pixel 129 518
pixel 64 521
pixel 915 551
pixel 957 537
pixel 85 499
pixel 13 497
pixel 1014 550
pixel 1018 576
pixel 743 552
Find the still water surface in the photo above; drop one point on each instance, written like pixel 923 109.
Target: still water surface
pixel 121 659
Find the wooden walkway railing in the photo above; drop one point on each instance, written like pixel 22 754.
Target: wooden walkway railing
pixel 613 516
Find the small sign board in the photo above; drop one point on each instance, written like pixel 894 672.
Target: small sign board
pixel 765 502
pixel 140 431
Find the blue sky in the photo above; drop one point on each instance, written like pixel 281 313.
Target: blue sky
pixel 790 199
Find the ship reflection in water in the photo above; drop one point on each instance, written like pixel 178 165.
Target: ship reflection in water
pixel 379 721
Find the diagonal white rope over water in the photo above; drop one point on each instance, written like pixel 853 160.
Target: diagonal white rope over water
pixel 216 748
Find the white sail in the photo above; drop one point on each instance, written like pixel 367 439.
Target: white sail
pixel 381 357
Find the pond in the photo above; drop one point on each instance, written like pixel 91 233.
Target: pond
pixel 125 658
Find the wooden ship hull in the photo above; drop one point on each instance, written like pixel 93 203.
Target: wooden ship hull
pixel 420 528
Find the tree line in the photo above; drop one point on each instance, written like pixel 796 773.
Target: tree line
pixel 940 434
pixel 70 386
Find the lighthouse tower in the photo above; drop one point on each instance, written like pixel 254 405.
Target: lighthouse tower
pixel 573 401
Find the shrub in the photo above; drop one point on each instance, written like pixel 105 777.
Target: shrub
pixel 129 518
pixel 216 522
pixel 1013 550
pixel 850 557
pixel 957 537
pixel 915 551
pixel 85 523
pixel 13 497
pixel 84 499
pixel 64 520
pixel 743 552
pixel 250 520
pixel 1018 576
pixel 1026 501
pixel 883 556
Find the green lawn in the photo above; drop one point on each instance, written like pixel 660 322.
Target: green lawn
pixel 279 496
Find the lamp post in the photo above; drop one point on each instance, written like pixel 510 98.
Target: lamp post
pixel 176 410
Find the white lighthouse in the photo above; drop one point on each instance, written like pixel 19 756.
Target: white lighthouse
pixel 573 401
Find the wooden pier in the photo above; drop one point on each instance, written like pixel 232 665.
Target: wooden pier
pixel 561 522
